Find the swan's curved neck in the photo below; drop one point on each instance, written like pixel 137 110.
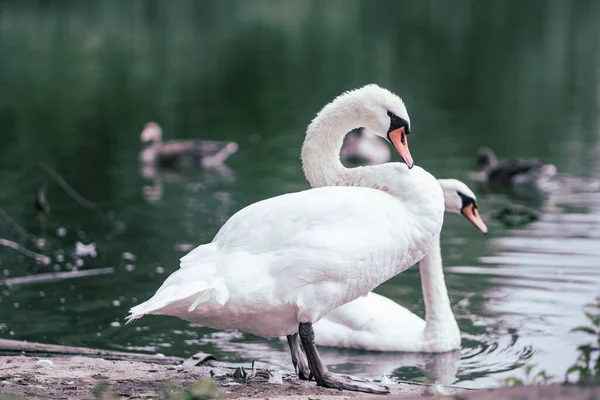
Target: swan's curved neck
pixel 435 293
pixel 324 139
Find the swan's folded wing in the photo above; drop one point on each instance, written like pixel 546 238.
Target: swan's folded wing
pixel 185 288
pixel 280 222
pixel 313 250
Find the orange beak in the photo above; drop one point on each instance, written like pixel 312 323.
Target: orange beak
pixel 400 141
pixel 470 211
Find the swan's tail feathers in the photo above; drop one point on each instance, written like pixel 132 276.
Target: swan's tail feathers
pixel 130 318
pixel 218 294
pixel 176 299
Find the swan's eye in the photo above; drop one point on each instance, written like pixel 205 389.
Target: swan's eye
pixel 391 114
pixel 467 200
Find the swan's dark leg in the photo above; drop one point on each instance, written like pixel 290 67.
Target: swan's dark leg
pixel 326 378
pixel 298 357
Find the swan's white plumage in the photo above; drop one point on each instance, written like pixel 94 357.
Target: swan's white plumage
pixel 295 257
pixel 371 322
pixel 374 322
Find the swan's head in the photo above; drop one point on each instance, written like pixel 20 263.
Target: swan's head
pixel 459 199
pixel 151 132
pixel 486 158
pixel 372 107
pixel 384 114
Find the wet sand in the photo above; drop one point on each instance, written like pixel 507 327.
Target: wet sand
pixel 78 377
pixel 53 376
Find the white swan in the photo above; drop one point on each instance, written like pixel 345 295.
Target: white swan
pixel 279 265
pixel 374 322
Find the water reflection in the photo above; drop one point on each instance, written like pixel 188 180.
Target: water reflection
pixel 442 367
pixel 176 176
pixel 542 273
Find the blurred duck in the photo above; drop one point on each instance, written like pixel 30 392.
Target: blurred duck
pixel 512 172
pixel 374 322
pixel 362 147
pixel 183 153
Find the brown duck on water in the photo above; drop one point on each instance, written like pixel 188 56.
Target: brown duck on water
pixel 183 153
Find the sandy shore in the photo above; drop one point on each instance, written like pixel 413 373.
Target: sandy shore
pixel 48 373
pixel 80 377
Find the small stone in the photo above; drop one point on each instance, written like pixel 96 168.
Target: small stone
pixel 44 363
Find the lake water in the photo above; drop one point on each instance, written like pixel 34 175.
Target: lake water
pixel 79 80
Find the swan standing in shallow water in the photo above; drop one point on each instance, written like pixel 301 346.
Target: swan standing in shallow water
pixel 374 322
pixel 183 153
pixel 279 265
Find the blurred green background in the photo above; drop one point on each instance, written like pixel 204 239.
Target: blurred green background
pixel 78 81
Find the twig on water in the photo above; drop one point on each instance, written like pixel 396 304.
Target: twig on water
pixel 70 191
pixel 53 276
pixel 20 230
pixel 38 257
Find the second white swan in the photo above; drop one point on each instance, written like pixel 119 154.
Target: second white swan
pixel 374 322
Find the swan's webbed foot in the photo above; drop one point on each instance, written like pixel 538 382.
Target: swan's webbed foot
pixel 324 377
pixel 346 382
pixel 298 358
